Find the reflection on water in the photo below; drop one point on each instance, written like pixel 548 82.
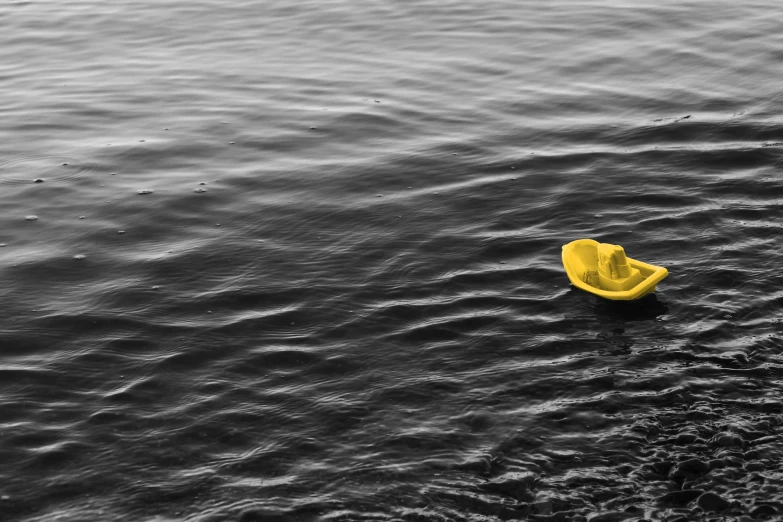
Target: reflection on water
pixel 647 308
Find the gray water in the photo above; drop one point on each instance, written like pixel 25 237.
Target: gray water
pixel 272 261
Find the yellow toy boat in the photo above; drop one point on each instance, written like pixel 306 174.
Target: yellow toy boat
pixel 604 270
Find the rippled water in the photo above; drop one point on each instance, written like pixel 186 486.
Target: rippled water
pixel 301 261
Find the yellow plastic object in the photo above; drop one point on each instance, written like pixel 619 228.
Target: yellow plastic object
pixel 604 270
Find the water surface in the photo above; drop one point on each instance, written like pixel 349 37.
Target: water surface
pixel 302 261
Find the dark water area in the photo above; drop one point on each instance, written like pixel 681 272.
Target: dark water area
pixel 300 261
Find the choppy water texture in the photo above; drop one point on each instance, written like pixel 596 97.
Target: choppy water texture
pixel 301 260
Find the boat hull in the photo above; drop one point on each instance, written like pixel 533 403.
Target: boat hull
pixel 580 260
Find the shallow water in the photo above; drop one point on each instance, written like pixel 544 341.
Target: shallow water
pixel 302 262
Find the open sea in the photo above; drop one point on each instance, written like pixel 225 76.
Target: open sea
pixel 271 261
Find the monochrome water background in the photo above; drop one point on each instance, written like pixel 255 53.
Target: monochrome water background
pixel 300 261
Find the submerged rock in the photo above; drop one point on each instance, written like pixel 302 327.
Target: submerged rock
pixel 611 516
pixel 687 438
pixel 712 502
pixel 690 468
pixel 678 498
pixel 763 510
pixel 514 485
pixel 728 440
pixel 662 467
